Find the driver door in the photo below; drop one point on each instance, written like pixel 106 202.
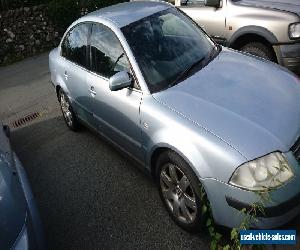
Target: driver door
pixel 116 113
pixel 211 19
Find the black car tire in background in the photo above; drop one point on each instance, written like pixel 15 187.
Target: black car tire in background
pixel 258 49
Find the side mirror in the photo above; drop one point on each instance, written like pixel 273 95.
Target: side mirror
pixel 119 81
pixel 213 3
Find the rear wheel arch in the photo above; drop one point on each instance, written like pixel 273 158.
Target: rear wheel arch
pixel 57 89
pixel 61 87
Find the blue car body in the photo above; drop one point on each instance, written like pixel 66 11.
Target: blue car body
pixel 20 225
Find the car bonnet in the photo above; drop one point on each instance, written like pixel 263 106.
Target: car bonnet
pixel 250 103
pixel 285 5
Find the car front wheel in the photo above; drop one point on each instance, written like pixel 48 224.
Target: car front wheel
pixel 259 49
pixel 180 191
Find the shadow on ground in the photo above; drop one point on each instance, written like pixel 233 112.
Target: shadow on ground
pixel 90 196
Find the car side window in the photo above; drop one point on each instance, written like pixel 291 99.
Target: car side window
pixel 107 55
pixel 74 46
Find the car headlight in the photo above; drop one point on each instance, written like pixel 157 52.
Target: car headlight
pixel 267 172
pixel 294 30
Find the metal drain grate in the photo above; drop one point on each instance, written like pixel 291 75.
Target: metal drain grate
pixel 24 120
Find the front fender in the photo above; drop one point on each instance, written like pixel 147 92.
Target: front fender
pixel 255 30
pixel 180 144
pixel 207 154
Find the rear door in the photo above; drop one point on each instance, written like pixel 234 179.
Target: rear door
pixel 116 113
pixel 74 52
pixel 211 19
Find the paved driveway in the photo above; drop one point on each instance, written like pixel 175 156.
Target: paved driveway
pixel 89 195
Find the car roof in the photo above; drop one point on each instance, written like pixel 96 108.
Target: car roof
pixel 123 14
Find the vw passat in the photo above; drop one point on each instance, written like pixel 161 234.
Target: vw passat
pixel 192 113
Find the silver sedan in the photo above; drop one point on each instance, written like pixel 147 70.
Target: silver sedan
pixel 197 116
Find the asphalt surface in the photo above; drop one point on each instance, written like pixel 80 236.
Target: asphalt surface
pixel 89 196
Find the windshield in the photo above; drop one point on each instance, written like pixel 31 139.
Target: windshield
pixel 166 46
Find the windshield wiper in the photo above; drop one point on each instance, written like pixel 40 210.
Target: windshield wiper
pixel 184 73
pixel 118 59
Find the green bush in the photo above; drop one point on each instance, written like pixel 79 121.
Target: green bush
pixel 92 5
pixel 64 12
pixel 13 4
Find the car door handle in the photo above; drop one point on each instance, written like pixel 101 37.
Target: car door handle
pixel 66 75
pixel 92 90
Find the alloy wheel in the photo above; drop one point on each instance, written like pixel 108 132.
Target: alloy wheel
pixel 178 193
pixel 65 107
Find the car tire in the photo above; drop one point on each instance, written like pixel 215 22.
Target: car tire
pixel 182 198
pixel 68 113
pixel 258 49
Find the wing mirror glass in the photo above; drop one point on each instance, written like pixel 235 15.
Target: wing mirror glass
pixel 120 80
pixel 213 3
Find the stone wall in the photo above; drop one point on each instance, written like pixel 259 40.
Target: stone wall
pixel 25 32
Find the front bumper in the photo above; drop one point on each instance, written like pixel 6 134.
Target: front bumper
pixel 288 55
pixel 31 236
pixel 227 201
